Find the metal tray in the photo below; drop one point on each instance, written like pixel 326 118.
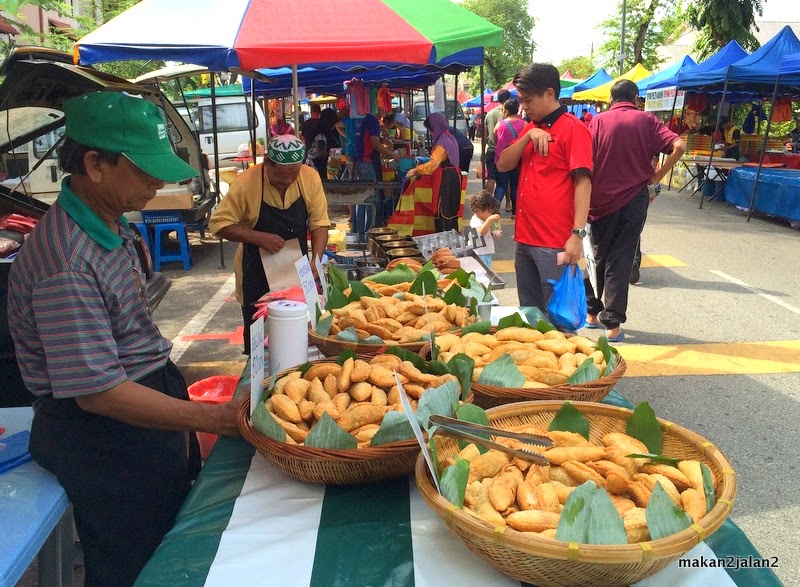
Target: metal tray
pixel 459 244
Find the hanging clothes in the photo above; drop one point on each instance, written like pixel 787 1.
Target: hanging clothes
pixel 384 99
pixel 782 110
pixel 359 97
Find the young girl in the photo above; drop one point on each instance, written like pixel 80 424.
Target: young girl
pixel 485 220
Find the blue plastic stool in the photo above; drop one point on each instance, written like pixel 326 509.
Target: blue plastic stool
pixel 160 255
pixel 145 234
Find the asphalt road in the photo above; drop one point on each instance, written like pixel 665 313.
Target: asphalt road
pixel 712 343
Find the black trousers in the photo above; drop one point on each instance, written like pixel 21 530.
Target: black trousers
pixel 615 239
pixel 126 484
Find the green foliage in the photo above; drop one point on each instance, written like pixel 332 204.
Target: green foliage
pixel 581 66
pixel 569 419
pixel 644 426
pixel 501 63
pixel 648 24
pixel 721 21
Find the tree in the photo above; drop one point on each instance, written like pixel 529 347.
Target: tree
pixel 580 66
pixel 721 21
pixel 501 63
pixel 648 24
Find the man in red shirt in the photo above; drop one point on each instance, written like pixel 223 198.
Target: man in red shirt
pixel 586 116
pixel 624 140
pixel 555 156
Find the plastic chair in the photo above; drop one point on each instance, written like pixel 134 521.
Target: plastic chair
pixel 160 255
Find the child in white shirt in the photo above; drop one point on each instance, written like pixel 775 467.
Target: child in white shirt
pixel 486 221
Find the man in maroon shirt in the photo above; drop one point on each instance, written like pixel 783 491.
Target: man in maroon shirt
pixel 624 140
pixel 555 156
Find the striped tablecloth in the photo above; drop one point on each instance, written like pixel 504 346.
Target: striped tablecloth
pixel 245 523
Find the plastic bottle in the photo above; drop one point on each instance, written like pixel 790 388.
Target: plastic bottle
pixel 287 334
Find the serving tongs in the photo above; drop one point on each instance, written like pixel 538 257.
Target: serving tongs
pixel 467 431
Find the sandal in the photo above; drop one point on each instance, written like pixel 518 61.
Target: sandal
pixel 620 337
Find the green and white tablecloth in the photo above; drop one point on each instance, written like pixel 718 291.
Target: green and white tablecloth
pixel 245 523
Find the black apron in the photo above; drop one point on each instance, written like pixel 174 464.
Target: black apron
pixel 449 197
pixel 287 224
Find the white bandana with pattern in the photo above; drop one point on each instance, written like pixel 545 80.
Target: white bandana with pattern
pixel 286 150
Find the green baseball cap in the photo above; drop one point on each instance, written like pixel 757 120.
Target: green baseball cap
pixel 134 127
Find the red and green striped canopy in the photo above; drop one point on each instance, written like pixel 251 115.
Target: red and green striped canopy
pixel 252 34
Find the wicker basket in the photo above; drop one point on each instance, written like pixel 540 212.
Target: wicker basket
pixel 551 563
pixel 330 346
pixel 490 396
pixel 329 466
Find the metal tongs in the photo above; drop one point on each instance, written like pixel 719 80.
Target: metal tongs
pixel 467 431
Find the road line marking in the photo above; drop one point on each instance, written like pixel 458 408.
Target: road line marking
pixel 755 290
pixel 650 261
pixel 732 358
pixel 203 317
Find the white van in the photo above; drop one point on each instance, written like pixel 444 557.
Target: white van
pixel 450 106
pixel 234 121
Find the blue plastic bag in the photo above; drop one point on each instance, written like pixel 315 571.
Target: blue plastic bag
pixel 567 305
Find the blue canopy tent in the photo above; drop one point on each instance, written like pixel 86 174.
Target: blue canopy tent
pixel 476 101
pixel 729 54
pixel 683 65
pixel 598 78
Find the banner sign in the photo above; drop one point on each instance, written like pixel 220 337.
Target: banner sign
pixel 662 99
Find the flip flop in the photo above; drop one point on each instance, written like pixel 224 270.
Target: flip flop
pixel 593 325
pixel 619 338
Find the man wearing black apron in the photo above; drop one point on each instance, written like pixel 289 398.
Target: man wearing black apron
pixel 271 203
pixel 113 419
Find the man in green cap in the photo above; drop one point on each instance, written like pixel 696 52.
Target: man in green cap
pixel 267 205
pixel 112 421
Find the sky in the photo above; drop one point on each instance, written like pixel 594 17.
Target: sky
pixel 562 33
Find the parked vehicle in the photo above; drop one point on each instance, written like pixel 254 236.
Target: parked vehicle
pixel 37 83
pixel 234 121
pixel 449 108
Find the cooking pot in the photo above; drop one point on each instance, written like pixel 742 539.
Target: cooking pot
pixel 349 269
pixel 368 270
pixel 401 244
pixel 384 230
pixel 368 260
pixel 404 252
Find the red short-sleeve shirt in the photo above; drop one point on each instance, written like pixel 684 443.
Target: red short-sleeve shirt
pixel 546 195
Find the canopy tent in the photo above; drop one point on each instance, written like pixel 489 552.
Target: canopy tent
pixel 685 64
pixel 476 101
pixel 760 67
pixel 598 78
pixel 602 93
pixel 729 54
pixel 252 34
pixel 790 69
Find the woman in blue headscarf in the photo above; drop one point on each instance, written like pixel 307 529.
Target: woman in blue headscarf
pixel 443 166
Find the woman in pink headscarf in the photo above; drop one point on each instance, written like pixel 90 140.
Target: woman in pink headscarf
pixel 443 166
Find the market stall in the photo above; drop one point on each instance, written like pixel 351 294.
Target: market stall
pixel 243 518
pixel 602 93
pixel 776 194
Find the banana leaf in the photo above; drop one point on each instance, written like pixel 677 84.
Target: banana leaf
pixel 437 466
pixel 573 525
pixel 586 372
pixel 358 290
pixel 454 295
pixel 657 459
pixel 609 354
pixel 481 326
pixel 453 483
pixel 398 274
pixel 438 368
pixel 462 366
pixel 664 518
pixel 533 314
pixel 336 299
pixel 424 284
pixel 544 326
pixel 476 415
pixel 644 426
pixel 462 277
pixel 373 339
pixel 569 419
pixel 439 401
pixel 708 486
pixel 344 355
pixel 337 278
pixel 348 334
pixel 605 523
pixel 324 325
pixel 327 434
pixel 264 422
pixel 514 319
pixel 304 368
pixel 407 355
pixel 394 428
pixel 502 372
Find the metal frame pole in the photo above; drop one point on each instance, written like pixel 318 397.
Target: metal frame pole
pixel 216 156
pixel 483 132
pixel 714 136
pixel 763 149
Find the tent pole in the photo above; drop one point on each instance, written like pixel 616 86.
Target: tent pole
pixel 671 114
pixel 295 101
pixel 455 100
pixel 427 113
pixel 483 132
pixel 714 136
pixel 254 118
pixel 763 152
pixel 218 196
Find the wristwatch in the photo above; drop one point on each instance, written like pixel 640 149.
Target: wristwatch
pixel 579 232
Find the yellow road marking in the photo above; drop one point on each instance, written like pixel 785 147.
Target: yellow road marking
pixel 507 221
pixel 734 358
pixel 649 261
pixel 502 266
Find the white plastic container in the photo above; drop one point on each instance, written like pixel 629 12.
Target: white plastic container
pixel 287 332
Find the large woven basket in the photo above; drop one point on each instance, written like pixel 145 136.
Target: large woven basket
pixel 329 466
pixel 551 563
pixel 491 396
pixel 330 346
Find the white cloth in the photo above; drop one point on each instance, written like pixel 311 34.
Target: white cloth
pixel 476 223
